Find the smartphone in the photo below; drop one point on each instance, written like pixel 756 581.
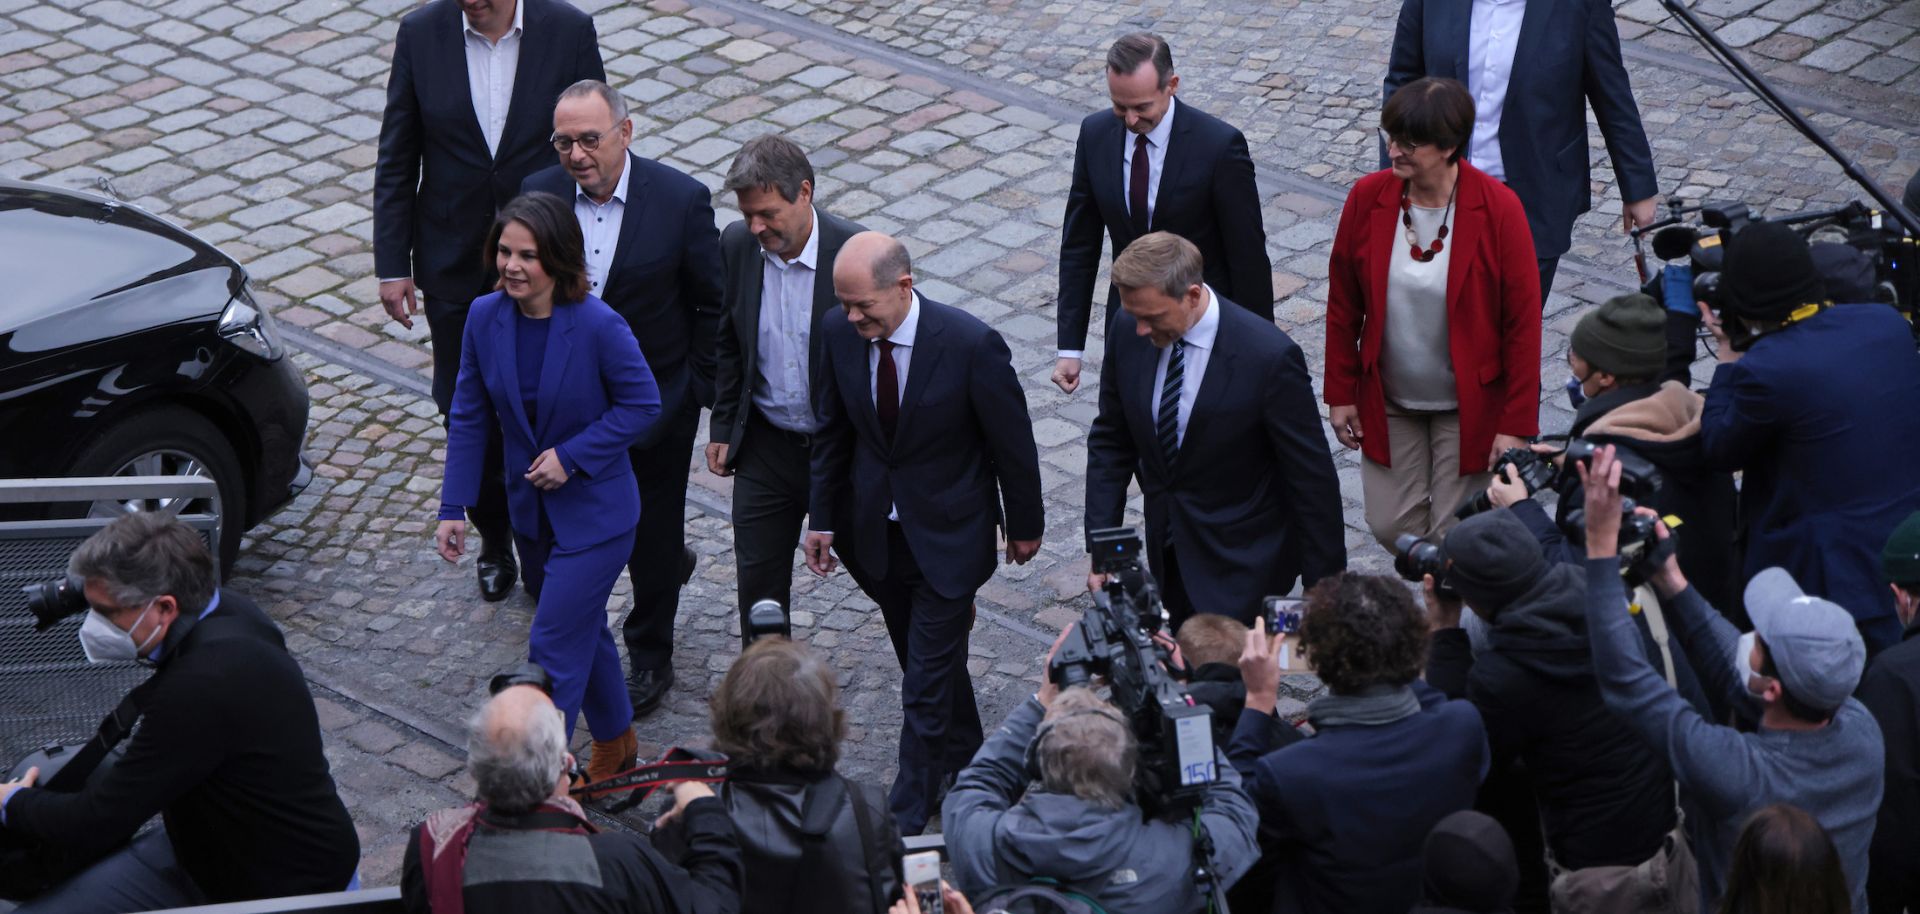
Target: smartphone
pixel 1283 614
pixel 922 872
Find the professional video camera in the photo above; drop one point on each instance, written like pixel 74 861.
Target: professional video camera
pixel 1115 639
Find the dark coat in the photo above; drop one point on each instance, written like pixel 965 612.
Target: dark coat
pixel 1821 417
pixel 1252 499
pixel 1207 195
pixel 1568 56
pixel 737 344
pixel 963 445
pixel 664 278
pixel 435 185
pixel 848 869
pixel 1891 690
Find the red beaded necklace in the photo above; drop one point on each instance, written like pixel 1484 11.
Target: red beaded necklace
pixel 1406 219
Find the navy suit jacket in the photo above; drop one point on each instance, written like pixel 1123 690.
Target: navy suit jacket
pixel 665 277
pixel 964 443
pixel 596 398
pixel 1821 417
pixel 1207 196
pixel 1252 501
pixel 1568 55
pixel 435 186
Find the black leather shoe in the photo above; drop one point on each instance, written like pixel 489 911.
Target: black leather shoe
pixel 688 562
pixel 647 688
pixel 497 576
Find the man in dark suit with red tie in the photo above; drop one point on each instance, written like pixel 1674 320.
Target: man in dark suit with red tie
pixel 923 435
pixel 1153 164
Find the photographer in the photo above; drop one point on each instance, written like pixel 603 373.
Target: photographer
pixel 1345 812
pixel 1816 748
pixel 1891 690
pixel 1081 826
pixel 227 752
pixel 1578 772
pixel 526 845
pixel 814 841
pixel 1616 352
pixel 1816 405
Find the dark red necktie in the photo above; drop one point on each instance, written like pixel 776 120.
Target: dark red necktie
pixel 886 390
pixel 1137 186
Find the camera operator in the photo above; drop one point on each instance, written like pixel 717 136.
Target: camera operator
pixel 814 841
pixel 1578 772
pixel 1891 690
pixel 1816 747
pixel 227 752
pixel 1082 826
pixel 1818 410
pixel 526 845
pixel 1345 812
pixel 1616 352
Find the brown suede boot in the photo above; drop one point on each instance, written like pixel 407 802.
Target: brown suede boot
pixel 610 757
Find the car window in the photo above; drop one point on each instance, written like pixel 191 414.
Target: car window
pixel 65 261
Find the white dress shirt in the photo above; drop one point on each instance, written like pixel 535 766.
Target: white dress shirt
pixel 491 66
pixel 1494 34
pixel 902 339
pixel 1156 157
pixel 600 227
pixel 1194 357
pixel 786 330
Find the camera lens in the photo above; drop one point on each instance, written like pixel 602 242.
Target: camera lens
pixel 51 601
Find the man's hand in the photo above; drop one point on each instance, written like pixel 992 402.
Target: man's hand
pixel 818 548
pixel 1500 445
pixel 1178 664
pixel 1602 482
pixel 450 539
pixel 717 458
pixel 1095 581
pixel 1020 552
pixel 1346 425
pixel 1260 668
pixel 1667 580
pixel 1441 611
pixel 1554 452
pixel 1722 344
pixel 396 295
pixel 1639 213
pixel 1066 374
pixel 1048 690
pixel 7 789
pixel 684 792
pixel 547 474
pixel 1507 490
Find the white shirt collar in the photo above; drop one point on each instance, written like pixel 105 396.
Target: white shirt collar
pixel 1157 137
pixel 519 23
pixel 909 326
pixel 619 189
pixel 809 254
pixel 1207 328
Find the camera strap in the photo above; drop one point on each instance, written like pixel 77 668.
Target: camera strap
pixel 640 781
pixel 113 728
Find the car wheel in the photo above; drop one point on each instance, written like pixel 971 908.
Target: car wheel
pixel 171 442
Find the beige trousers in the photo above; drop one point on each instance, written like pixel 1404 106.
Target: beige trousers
pixel 1419 493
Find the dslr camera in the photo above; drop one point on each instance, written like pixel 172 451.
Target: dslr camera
pixel 1639 478
pixel 1414 558
pixel 51 601
pixel 767 617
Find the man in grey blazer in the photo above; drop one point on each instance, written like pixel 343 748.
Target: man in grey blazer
pixel 777 264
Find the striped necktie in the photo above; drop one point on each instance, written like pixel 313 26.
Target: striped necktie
pixel 1169 420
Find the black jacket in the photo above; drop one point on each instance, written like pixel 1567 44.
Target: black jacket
pixel 228 753
pixel 852 869
pixel 1604 797
pixel 1891 690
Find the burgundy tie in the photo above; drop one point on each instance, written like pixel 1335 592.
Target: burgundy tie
pixel 1137 186
pixel 886 390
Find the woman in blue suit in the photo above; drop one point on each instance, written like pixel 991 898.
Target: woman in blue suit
pixel 560 377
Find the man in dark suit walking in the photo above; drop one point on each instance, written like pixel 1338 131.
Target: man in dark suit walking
pixel 1152 164
pixel 466 121
pixel 1212 408
pixel 777 266
pixel 923 434
pixel 1533 66
pixel 653 255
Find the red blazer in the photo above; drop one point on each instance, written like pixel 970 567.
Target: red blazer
pixel 1493 312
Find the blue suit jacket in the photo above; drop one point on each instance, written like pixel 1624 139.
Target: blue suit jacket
pixel 963 443
pixel 1568 55
pixel 596 398
pixel 665 277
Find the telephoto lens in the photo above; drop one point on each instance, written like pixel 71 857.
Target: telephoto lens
pixel 51 601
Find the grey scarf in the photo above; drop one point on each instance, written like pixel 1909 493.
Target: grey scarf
pixel 1369 707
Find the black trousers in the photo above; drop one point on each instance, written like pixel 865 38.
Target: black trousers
pixel 940 730
pixel 658 543
pixel 771 477
pixel 1548 266
pixel 447 322
pixel 1173 591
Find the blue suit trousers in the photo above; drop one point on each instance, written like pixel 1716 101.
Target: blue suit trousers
pixel 570 637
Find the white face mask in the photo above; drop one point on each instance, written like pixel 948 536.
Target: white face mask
pixel 1743 664
pixel 104 642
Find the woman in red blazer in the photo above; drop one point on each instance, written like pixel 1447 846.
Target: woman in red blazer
pixel 1433 318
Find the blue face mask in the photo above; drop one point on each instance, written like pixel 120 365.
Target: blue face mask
pixel 1575 395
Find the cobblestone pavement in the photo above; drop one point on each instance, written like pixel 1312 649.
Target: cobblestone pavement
pixel 253 123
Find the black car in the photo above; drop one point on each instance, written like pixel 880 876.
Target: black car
pixel 129 347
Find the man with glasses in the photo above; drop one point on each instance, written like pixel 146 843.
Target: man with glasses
pixel 465 123
pixel 653 254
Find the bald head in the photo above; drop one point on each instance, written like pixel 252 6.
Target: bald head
pixel 516 750
pixel 873 278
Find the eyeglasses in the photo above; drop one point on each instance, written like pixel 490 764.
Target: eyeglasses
pixel 564 144
pixel 1386 139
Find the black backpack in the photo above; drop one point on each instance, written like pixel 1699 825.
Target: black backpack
pixel 1041 896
